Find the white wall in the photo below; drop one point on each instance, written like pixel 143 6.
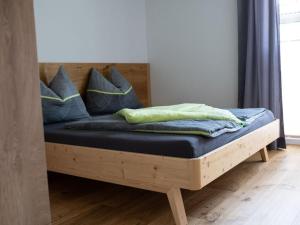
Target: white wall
pixel 192 45
pixel 91 30
pixel 192 49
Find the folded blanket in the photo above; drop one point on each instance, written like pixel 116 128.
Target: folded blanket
pixel 209 128
pixel 185 111
pixel 248 115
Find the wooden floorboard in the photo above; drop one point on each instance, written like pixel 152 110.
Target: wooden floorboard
pixel 253 193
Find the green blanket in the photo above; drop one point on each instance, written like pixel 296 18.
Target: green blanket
pixel 186 111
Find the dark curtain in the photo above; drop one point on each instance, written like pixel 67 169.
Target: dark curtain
pixel 259 58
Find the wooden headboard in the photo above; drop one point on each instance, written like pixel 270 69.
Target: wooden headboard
pixel 136 73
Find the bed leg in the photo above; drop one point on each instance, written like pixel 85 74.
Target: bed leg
pixel 264 154
pixel 177 206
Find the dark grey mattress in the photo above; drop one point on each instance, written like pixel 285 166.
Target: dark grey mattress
pixel 183 146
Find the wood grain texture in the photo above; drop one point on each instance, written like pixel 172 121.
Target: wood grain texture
pixel 219 161
pixel 137 73
pixel 151 172
pixel 253 193
pixel 264 154
pixel 177 206
pixel 24 196
pixel 157 173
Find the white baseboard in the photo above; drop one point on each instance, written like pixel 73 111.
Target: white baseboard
pixel 292 140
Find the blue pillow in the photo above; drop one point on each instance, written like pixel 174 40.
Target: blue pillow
pixel 109 96
pixel 61 101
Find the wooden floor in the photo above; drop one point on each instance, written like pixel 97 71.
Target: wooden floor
pixel 253 193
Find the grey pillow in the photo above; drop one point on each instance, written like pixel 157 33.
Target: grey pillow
pixel 109 96
pixel 61 101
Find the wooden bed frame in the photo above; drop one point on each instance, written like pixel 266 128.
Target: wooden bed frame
pixel 156 173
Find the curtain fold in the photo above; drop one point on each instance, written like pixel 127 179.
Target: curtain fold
pixel 259 58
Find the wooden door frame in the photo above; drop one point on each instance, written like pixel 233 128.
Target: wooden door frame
pixel 24 197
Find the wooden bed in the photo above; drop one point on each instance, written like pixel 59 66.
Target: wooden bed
pixel 151 172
